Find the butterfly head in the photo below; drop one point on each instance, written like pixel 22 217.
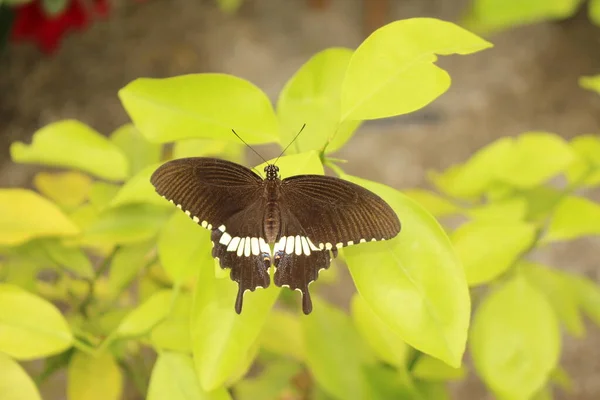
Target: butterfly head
pixel 272 172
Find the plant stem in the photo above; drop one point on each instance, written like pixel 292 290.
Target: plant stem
pixel 83 306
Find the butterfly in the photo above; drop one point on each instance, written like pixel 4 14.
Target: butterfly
pixel 297 224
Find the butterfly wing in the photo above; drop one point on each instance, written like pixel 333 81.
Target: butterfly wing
pixel 225 198
pixel 323 214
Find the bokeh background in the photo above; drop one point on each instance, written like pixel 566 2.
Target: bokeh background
pixel 527 82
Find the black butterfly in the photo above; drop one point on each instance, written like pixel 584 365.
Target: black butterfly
pixel 306 217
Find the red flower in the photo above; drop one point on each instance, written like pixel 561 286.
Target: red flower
pixel 31 24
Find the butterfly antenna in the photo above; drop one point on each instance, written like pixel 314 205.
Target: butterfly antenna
pixel 250 147
pixel 288 146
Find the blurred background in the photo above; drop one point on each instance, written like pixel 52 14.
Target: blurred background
pixel 527 82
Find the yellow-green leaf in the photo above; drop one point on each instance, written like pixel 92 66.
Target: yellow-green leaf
pixel 329 336
pixel 208 147
pixel 30 327
pixel 173 378
pixel 312 97
pixel 71 144
pixel 585 170
pixel 26 215
pixel 126 264
pixel 511 209
pixel 588 296
pixel 515 340
pixel 432 202
pixel 68 189
pixel 270 384
pixel 147 315
pixel 138 190
pixel 574 217
pixel 286 328
pixel 174 332
pixel 94 378
pixel 102 194
pixel 15 383
pixel 592 82
pixel 200 106
pixel 432 369
pixel 559 293
pixel 221 339
pixel 392 71
pixel 139 152
pixel 72 259
pixel 385 343
pixel 297 164
pixel 419 270
pixel 488 248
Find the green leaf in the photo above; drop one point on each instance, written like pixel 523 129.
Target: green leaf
pixel 53 8
pixel 272 381
pixel 488 248
pixel 139 152
pixel 138 190
pixel 559 293
pixel 541 201
pixel 15 383
pixel 147 315
pixel 173 378
pixel 68 189
pixel 534 158
pixel 221 339
pixel 329 336
pixel 125 225
pixel 72 259
pixel 435 204
pixel 286 328
pixel 512 209
pixel 297 164
pixel 102 194
pixel 585 170
pixel 515 340
pixel 200 106
pixel 71 144
pixel 386 343
pixel 183 246
pixel 174 332
pixel 30 327
pixel 229 6
pixel 587 295
pixel 208 147
pixel 419 270
pixel 392 71
pixel 432 390
pixel 26 215
pixel 126 264
pixel 312 97
pixel 592 82
pixel 474 177
pixel 491 15
pixel 574 217
pixel 432 369
pixel 94 378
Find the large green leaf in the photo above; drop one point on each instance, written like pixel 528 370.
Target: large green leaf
pixel 587 294
pixel 183 246
pixel 200 106
pixel 385 343
pixel 284 326
pixel 273 380
pixel 138 189
pixel 585 170
pixel 297 164
pixel 392 71
pixel 26 215
pixel 139 152
pixel 435 204
pixel 487 248
pixel 419 271
pixel 126 264
pixel 335 353
pixel 574 217
pixel 221 339
pixel 515 340
pixel 15 383
pixel 432 369
pixel 68 189
pixel 591 82
pixel 174 332
pixel 224 149
pixel 147 315
pixel 511 209
pixel 94 377
pixel 72 259
pixel 312 97
pixel 560 294
pixel 30 327
pixel 173 378
pixel 491 15
pixel 72 144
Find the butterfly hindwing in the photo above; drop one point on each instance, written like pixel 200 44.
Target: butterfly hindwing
pixel 208 190
pixel 335 213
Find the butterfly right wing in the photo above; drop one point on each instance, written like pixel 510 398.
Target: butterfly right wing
pixel 208 190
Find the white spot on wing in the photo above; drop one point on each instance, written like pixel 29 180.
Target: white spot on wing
pixel 289 247
pixel 195 219
pixel 363 241
pixel 305 246
pixel 255 246
pixel 204 224
pixel 350 243
pixel 188 213
pixel 328 246
pixel 240 249
pixel 298 245
pixel 339 245
pixel 222 228
pixel 321 246
pixel 280 246
pixel 312 245
pixel 209 227
pixel 247 250
pixel 225 238
pixel 264 247
pixel 179 206
pixel 373 240
pixel 233 245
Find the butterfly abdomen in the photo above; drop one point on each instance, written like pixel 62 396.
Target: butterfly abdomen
pixel 272 219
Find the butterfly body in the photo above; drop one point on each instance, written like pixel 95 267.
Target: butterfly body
pixel 296 224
